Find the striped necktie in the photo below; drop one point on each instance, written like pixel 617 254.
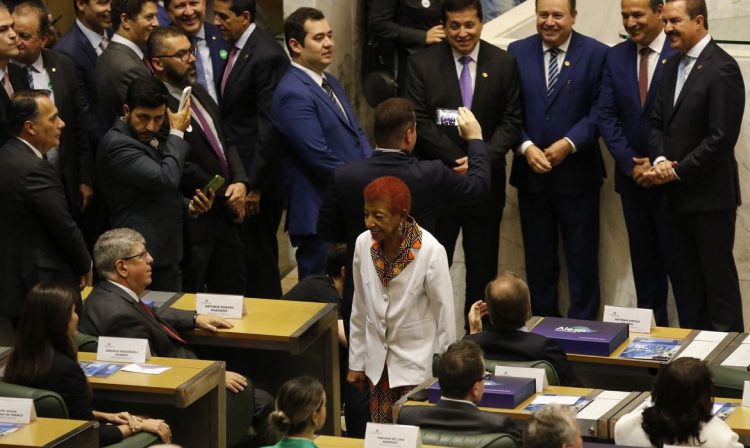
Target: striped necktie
pixel 553 70
pixel 329 91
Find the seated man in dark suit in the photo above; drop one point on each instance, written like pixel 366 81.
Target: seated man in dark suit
pixel 461 376
pixel 114 308
pixel 508 305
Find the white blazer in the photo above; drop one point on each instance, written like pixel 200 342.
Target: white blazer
pixel 401 326
pixel 716 433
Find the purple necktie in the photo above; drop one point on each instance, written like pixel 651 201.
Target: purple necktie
pixel 228 69
pixel 211 138
pixel 465 81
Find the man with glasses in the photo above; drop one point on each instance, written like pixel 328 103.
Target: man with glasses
pixel 213 259
pixel 461 376
pixel 140 177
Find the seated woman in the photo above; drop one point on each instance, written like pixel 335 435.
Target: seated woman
pixel 300 411
pixel 681 412
pixel 46 358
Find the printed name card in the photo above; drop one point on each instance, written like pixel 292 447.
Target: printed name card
pixel 538 375
pixel 379 435
pixel 17 410
pixel 222 305
pixel 641 320
pixel 746 395
pixel 123 350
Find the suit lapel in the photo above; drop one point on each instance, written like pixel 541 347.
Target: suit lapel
pixel 695 72
pixel 242 59
pixel 447 66
pixel 538 70
pixel 322 96
pixel 57 83
pixel 631 73
pixel 569 64
pixel 205 99
pixel 138 307
pixel 84 44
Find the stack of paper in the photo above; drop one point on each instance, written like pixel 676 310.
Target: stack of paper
pixel 741 355
pixel 703 344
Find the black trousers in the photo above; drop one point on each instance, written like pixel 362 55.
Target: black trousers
pixel 258 234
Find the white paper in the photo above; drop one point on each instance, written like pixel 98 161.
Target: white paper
pixel 123 350
pixel 641 320
pixel 17 410
pixel 223 305
pixel 698 349
pixel 597 408
pixel 745 396
pixel 379 435
pixel 149 369
pixel 613 395
pixel 714 336
pixel 746 340
pixel 537 374
pixel 740 357
pixel 556 399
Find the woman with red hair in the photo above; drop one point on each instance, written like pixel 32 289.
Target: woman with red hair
pixel 402 312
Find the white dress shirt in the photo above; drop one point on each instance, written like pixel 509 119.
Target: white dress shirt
pixel 204 52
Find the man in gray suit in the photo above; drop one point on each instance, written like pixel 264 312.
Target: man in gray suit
pixel 124 60
pixel 140 177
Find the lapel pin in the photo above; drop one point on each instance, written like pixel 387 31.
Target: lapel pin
pixel 213 37
pixel 223 54
pixel 700 67
pixel 484 74
pixel 664 61
pixel 54 69
pixel 566 63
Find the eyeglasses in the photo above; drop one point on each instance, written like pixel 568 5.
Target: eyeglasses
pixel 485 377
pixel 183 55
pixel 141 256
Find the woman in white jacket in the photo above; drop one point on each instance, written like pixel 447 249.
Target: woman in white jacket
pixel 402 311
pixel 681 412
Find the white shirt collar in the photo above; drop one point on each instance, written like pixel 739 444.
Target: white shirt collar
pixel 172 89
pixel 93 37
pixel 657 44
pixel 699 47
pixel 240 44
pixel 201 34
pixel 128 43
pixel 474 55
pixel 130 292
pixel 36 151
pixel 390 150
pixel 315 76
pixel 457 401
pixel 563 47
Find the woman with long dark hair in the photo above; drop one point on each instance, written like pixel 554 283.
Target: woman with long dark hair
pixel 45 357
pixel 300 411
pixel 681 412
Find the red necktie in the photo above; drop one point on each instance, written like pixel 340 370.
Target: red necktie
pixel 166 327
pixel 643 74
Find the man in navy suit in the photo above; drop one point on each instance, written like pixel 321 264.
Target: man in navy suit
pixel 631 80
pixel 559 169
pixel 695 125
pixel 312 110
pixel 212 52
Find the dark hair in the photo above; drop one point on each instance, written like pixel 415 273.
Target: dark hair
pixel 240 6
pixel 508 302
pixel 694 9
pixel 392 117
pixel 461 366
pixel 654 4
pixel 146 91
pixel 155 43
pixel 294 25
pixel 131 9
pixel 335 259
pixel 296 401
pixel 24 107
pixel 391 188
pixel 42 328
pixel 460 5
pixel 41 12
pixel 571 5
pixel 682 403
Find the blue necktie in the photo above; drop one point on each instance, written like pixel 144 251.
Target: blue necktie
pixel 199 68
pixel 682 74
pixel 467 92
pixel 554 71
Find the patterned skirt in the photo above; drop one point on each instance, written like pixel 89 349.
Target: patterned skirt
pixel 382 398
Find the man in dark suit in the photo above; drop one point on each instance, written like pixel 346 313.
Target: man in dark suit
pixel 558 171
pixel 40 241
pixel 695 125
pixel 141 174
pixel 631 80
pixel 257 64
pixel 12 77
pixel 124 60
pixel 508 306
pixel 83 43
pixel 212 52
pixel 213 250
pixel 461 376
pixel 312 111
pixel 50 70
pixel 466 71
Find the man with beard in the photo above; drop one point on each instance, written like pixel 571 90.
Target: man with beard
pixel 140 177
pixel 213 250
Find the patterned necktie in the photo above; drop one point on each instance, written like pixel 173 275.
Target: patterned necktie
pixel 169 331
pixel 230 65
pixel 6 84
pixel 467 92
pixel 104 42
pixel 682 74
pixel 329 91
pixel 212 139
pixel 30 70
pixel 643 74
pixel 553 70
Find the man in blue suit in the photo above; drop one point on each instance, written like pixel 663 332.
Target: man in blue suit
pixel 631 80
pixel 311 109
pixel 212 52
pixel 558 170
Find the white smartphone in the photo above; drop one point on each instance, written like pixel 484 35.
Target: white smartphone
pixel 185 95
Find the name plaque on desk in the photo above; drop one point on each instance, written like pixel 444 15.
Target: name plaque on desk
pixel 123 350
pixel 17 410
pixel 585 337
pixel 379 435
pixel 222 305
pixel 641 320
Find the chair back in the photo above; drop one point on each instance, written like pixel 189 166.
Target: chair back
pixel 729 382
pixel 460 440
pixel 47 403
pixel 86 342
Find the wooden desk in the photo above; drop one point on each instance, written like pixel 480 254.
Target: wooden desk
pixel 275 341
pixel 54 432
pixel 344 442
pixel 190 396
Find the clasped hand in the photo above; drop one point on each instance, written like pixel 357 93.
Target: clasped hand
pixel 542 161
